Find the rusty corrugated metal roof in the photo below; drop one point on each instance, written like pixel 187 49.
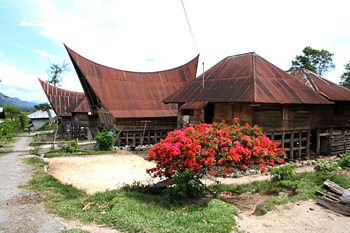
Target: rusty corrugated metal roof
pixel 326 88
pixel 246 78
pixel 128 94
pixel 194 105
pixel 62 101
pixel 40 114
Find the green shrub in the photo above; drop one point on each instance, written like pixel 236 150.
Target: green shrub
pixel 46 127
pixel 283 173
pixel 326 165
pixel 70 147
pixel 345 161
pixel 185 185
pixel 106 140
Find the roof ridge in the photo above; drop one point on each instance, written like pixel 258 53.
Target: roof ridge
pixel 174 68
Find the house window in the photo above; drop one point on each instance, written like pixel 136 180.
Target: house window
pixel 187 112
pixel 338 109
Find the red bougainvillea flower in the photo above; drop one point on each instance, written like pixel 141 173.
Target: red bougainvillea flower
pixel 200 147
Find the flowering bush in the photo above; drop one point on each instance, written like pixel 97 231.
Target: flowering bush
pixel 201 147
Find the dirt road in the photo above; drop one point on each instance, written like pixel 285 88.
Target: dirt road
pixel 22 210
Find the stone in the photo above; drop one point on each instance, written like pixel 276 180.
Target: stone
pixel 247 173
pixel 304 163
pixel 252 172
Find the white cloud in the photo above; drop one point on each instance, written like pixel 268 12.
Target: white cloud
pixel 18 84
pixel 44 54
pixel 29 24
pixel 124 34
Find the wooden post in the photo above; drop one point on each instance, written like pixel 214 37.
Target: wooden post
pixel 344 146
pixel 291 151
pixel 149 137
pixel 54 139
pixel 76 141
pixel 283 135
pixel 307 151
pixel 273 136
pixel 134 139
pixel 330 140
pixel 38 138
pixel 127 138
pixel 299 149
pixel 318 143
pixel 144 129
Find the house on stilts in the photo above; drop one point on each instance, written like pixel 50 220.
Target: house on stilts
pixel 73 110
pixel 334 136
pixel 130 103
pixel 252 89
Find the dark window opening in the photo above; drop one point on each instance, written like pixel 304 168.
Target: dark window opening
pixel 338 109
pixel 187 112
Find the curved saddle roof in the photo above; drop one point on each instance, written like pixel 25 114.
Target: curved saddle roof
pixel 127 94
pixel 65 102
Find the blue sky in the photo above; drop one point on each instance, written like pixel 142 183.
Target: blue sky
pixel 154 35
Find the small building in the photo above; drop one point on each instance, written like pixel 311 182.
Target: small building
pixel 72 108
pixel 252 89
pixel 39 118
pixel 2 113
pixel 130 103
pixel 333 138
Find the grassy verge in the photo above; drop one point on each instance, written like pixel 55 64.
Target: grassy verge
pixel 56 153
pixel 5 151
pixel 302 185
pixel 129 210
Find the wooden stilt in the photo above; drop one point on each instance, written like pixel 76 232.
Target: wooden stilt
pixel 299 149
pixel 307 151
pixel 330 140
pixel 291 152
pixel 318 143
pixel 283 135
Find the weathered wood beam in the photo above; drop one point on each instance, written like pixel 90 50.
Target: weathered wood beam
pixel 334 187
pixel 333 205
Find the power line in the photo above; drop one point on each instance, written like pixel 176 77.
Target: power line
pixel 188 22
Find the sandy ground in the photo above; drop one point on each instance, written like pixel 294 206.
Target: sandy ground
pixel 97 173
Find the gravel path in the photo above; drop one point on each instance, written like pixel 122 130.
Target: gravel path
pixel 22 210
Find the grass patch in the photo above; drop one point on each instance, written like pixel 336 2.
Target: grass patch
pixel 303 184
pixel 131 211
pixel 59 153
pixel 5 151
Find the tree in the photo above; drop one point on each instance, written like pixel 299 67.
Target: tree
pixel 42 106
pixel 55 71
pixel 12 111
pixel 345 77
pixel 318 61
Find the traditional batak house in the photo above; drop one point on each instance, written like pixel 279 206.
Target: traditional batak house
pixel 72 108
pixel 252 89
pixel 332 137
pixel 131 102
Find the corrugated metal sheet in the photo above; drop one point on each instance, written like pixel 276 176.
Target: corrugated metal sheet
pixel 246 78
pixel 128 94
pixel 64 102
pixel 323 86
pixel 40 114
pixel 194 105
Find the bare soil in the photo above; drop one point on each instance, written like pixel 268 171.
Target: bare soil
pixel 97 173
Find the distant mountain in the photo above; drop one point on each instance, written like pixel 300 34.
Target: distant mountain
pixel 13 101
